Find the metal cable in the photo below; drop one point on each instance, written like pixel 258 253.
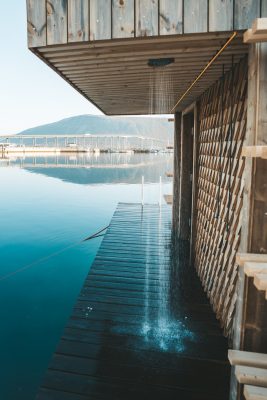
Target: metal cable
pixel 46 258
pixel 214 58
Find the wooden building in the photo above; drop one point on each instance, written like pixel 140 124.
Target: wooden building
pixel 214 58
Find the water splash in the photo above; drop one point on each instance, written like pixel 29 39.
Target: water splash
pixel 162 331
pixel 167 335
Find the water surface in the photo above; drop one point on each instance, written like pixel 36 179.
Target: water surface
pixel 47 204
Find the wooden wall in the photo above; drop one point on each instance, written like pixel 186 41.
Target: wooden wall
pixel 223 118
pixel 67 21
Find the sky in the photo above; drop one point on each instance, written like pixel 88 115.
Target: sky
pixel 31 93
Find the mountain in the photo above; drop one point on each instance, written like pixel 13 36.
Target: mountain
pixel 154 127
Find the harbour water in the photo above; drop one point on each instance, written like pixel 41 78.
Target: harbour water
pixel 46 205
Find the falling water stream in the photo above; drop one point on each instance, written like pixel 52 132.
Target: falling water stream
pixel 161 97
pixel 161 329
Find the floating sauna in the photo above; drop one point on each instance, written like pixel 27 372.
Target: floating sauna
pixel 206 63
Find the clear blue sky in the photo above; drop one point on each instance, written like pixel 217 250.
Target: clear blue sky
pixel 31 93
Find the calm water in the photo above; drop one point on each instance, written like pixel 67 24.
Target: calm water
pixel 47 204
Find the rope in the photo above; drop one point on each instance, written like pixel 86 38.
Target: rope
pixel 46 258
pixel 214 58
pixel 96 234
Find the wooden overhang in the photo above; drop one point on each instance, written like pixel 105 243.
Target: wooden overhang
pixel 102 47
pixel 115 75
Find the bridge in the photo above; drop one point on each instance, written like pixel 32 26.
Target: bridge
pixel 87 142
pixel 68 161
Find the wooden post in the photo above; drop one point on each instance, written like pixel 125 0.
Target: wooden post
pixel 254 219
pixel 194 184
pixel 176 171
pixel 186 170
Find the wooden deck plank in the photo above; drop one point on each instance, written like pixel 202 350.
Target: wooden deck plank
pixel 141 326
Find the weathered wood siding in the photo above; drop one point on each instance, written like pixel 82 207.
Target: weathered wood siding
pixel 67 21
pixel 100 19
pixel 36 21
pixel 171 17
pixel 221 14
pixel 123 18
pixel 223 117
pixel 264 8
pixel 195 16
pixel 245 12
pixel 57 21
pixel 146 21
pixel 78 20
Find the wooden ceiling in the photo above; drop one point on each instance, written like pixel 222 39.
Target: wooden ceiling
pixel 115 76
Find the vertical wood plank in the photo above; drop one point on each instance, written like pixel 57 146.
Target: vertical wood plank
pixel 100 19
pixel 147 18
pixel 259 225
pixel 263 8
pixel 56 21
pixel 220 15
pixel 220 190
pixel 195 16
pixel 171 17
pixel 245 13
pixel 262 95
pixel 36 23
pixel 195 182
pixel 176 172
pixel 185 177
pixel 123 18
pixel 78 20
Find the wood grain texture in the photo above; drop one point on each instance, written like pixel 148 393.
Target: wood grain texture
pixel 56 21
pixel 259 223
pixel 114 347
pixel 185 178
pixel 263 8
pixel 146 17
pixel 36 23
pixel 176 171
pixel 116 77
pixel 220 15
pixel 100 19
pixel 261 138
pixel 248 358
pixel 123 19
pixel 195 16
pixel 245 13
pixel 171 17
pixel 67 20
pixel 255 392
pixel 220 190
pixel 78 20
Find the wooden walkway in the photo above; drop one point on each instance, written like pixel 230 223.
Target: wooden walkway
pixel 142 327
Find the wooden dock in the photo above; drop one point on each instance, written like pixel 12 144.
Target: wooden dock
pixel 142 326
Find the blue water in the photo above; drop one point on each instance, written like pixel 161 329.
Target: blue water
pixel 44 209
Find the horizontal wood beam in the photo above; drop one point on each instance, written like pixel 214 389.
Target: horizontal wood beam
pixel 254 151
pixel 247 358
pixel 255 393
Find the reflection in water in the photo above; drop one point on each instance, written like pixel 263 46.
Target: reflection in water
pixel 86 168
pixel 40 216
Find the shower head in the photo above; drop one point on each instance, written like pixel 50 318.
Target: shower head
pixel 160 62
